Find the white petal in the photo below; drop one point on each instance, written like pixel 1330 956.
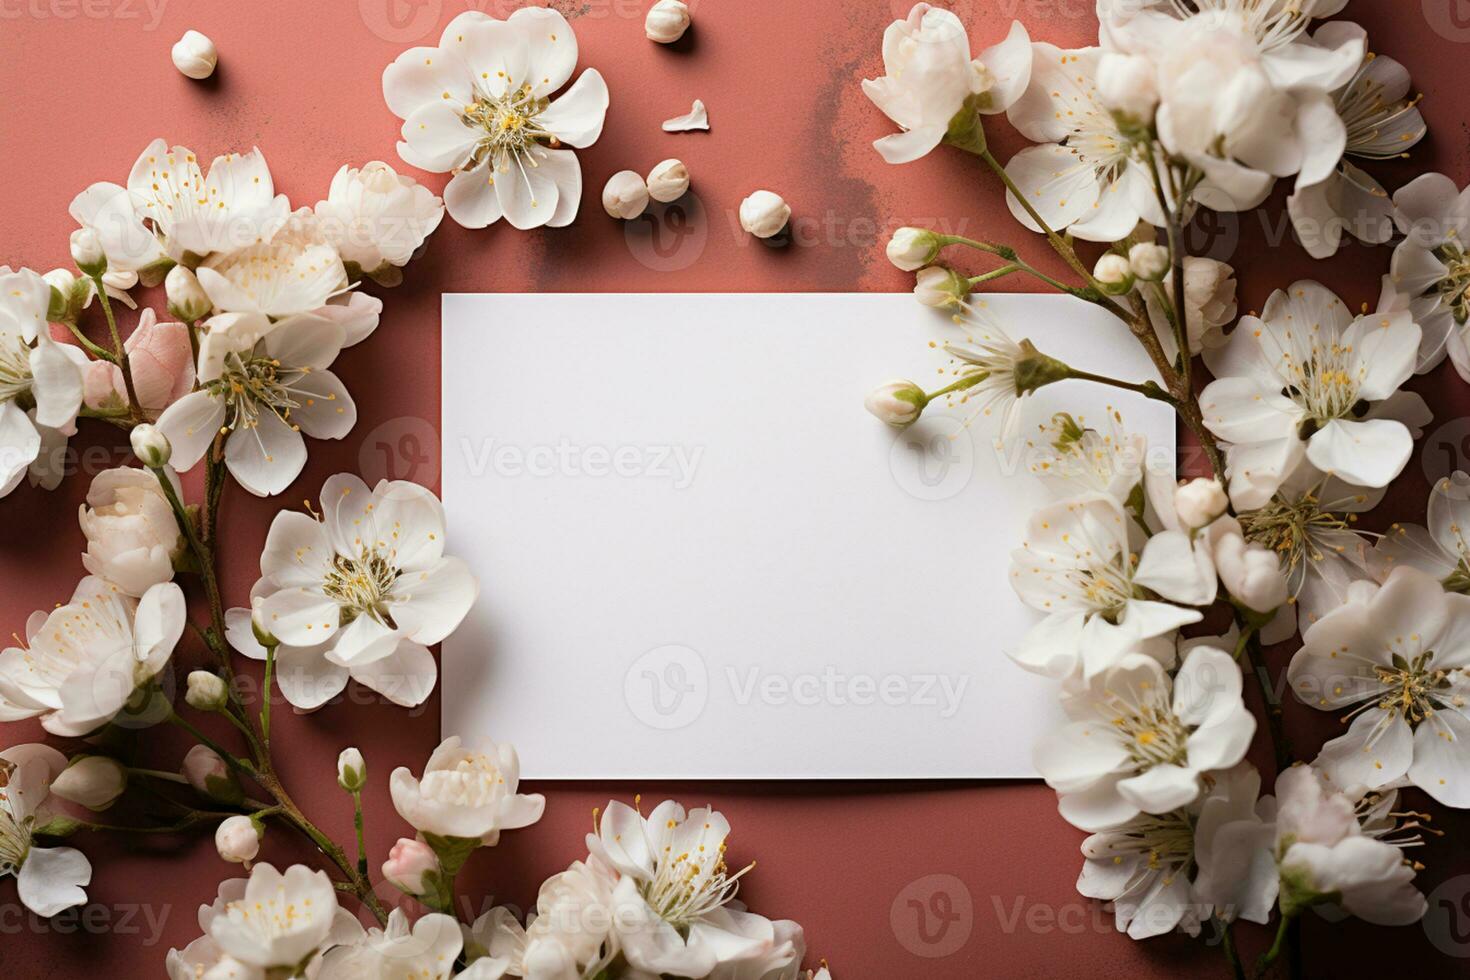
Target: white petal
pixel 436 139
pixel 301 617
pixel 19 445
pixel 1442 758
pixel 420 77
pixel 191 423
pixel 470 197
pixel 1175 569
pixel 1377 749
pixel 307 678
pixel 577 115
pixel 1370 454
pixel 57 385
pixel 1161 789
pixel 551 48
pixel 267 457
pixel 430 604
pixel 1061 187
pixel 527 192
pixel 51 879
pixel 406 677
pixel 326 410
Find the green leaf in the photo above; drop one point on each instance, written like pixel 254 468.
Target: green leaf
pixel 452 852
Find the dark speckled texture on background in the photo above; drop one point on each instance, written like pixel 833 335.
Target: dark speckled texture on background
pixel 84 84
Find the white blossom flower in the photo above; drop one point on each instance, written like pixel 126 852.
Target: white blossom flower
pixel 366 576
pixel 271 924
pixel 1145 866
pixel 1430 275
pixel 41 381
pixel 1382 124
pixel 1141 742
pixel 670 903
pixel 293 270
pixel 1310 524
pixel 308 677
pixel 1440 549
pixel 1398 659
pixel 427 950
pixel 377 218
pixel 480 105
pixel 132 534
pixel 1079 565
pixel 929 78
pixel 262 385
pixel 49 879
pixel 467 792
pixel 994 375
pixel 570 932
pixel 85 659
pixel 1209 305
pixel 1072 460
pixel 170 211
pixel 1299 383
pixel 1244 99
pixel 1087 176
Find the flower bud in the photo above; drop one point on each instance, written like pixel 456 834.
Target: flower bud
pixel 195 55
pixel 207 691
pixel 408 862
pixel 92 781
pixel 668 181
pixel 187 301
pixel 69 296
pixel 913 248
pixel 1150 261
pixel 667 21
pixel 1128 85
pixel 764 214
pixel 1199 502
pixel 257 623
pixel 1114 273
pixel 211 776
pixel 86 252
pixel 237 839
pixel 625 196
pixel 351 770
pixel 150 445
pixel 1250 572
pixel 941 287
pixel 898 403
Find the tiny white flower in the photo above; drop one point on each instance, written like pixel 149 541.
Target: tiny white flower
pixel 668 181
pixel 1080 565
pixel 1141 742
pixel 467 792
pixel 929 78
pixel 669 904
pixel 49 879
pixel 377 218
pixel 1430 275
pixel 262 385
pixel 1072 460
pixel 480 105
pixel 764 214
pixel 86 658
pixel 1299 383
pixel 132 534
pixel 667 21
pixel 1399 659
pixel 194 55
pixel 625 196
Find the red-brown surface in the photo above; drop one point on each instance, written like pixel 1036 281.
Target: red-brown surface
pixel 84 84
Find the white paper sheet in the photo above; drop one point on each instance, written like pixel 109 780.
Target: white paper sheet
pixel 700 557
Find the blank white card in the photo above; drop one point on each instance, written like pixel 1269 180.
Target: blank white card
pixel 701 558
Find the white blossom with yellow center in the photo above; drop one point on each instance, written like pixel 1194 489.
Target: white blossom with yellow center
pixel 481 106
pixel 467 792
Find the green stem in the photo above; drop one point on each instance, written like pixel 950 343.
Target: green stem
pixel 1285 939
pixel 1009 254
pixel 964 384
pixel 995 274
pixel 96 350
pixel 1253 660
pixel 265 699
pixel 357 823
pixel 240 765
pixel 1232 955
pixel 1148 389
pixel 120 349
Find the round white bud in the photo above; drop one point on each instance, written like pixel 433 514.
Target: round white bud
pixel 238 839
pixel 1115 274
pixel 195 55
pixel 625 196
pixel 667 21
pixel 86 252
pixel 764 214
pixel 1199 502
pixel 351 770
pixel 898 403
pixel 150 445
pixel 913 248
pixel 1150 261
pixel 206 691
pixel 187 299
pixel 92 781
pixel 668 181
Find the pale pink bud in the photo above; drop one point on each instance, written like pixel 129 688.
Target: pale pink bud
pixel 162 362
pixel 238 839
pixel 407 863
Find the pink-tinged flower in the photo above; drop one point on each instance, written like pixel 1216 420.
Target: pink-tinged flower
pixel 162 363
pixel 407 863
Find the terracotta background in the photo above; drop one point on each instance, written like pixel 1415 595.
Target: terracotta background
pixel 84 84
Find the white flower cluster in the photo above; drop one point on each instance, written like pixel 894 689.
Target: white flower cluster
pixel 1183 107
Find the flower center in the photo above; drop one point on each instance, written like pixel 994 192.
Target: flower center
pixel 1365 113
pixel 688 886
pixel 1167 840
pixel 1414 689
pixel 1454 288
pixel 361 585
pixel 1272 23
pixel 15 367
pixel 15 840
pixel 250 384
pixel 1151 734
pixel 1291 529
pixel 508 122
